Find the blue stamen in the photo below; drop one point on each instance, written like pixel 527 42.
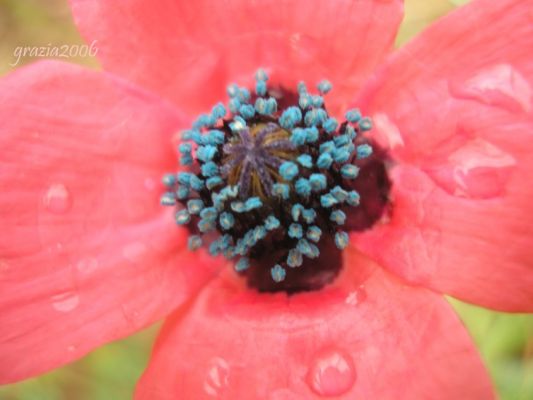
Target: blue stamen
pixel 330 125
pixel 194 242
pixel 305 160
pixel 206 153
pixel 288 170
pixel 294 258
pixel 281 190
pixel 182 193
pixel 209 169
pixel 349 171
pixel 365 124
pixel 298 136
pixel 318 182
pixel 213 182
pixel 290 117
pixel 303 187
pixel 260 88
pixel 278 273
pixel 315 117
pixel 271 223
pixel 216 137
pixel 324 161
pixel 296 212
pixel 206 225
pixel 242 265
pixel 227 220
pixel 364 151
pixel 314 233
pixel 183 217
pixel 309 215
pixel 338 216
pixel 339 193
pixel 247 111
pixel 328 200
pixel 295 231
pixel 353 198
pixel 327 147
pixel 168 199
pixel 353 115
pixel 253 203
pixel 210 213
pixel 341 240
pixel 218 111
pixel 195 206
pixel 324 86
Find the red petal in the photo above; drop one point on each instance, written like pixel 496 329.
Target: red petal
pixel 365 337
pixel 87 255
pixel 189 51
pixel 456 105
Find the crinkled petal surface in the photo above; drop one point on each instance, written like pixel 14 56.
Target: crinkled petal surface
pixel 87 254
pixel 190 50
pixel 367 336
pixel 454 107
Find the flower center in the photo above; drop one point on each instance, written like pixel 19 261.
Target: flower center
pixel 276 190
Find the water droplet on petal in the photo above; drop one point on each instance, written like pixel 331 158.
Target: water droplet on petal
pixel 500 85
pixel 65 302
pixel 478 169
pixel 387 133
pixel 57 199
pixel 217 377
pixel 87 266
pixel 356 297
pixel 134 251
pixel 332 373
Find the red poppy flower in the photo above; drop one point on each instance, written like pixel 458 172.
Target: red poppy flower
pixel 88 254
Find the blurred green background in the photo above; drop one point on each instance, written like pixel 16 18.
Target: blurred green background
pixel 504 340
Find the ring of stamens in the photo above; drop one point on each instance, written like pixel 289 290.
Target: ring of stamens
pixel 266 179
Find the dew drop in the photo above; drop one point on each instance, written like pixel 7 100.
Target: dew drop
pixel 500 85
pixel 87 266
pixel 134 251
pixel 217 377
pixel 387 133
pixel 332 373
pixel 65 302
pixel 478 169
pixel 356 297
pixel 57 199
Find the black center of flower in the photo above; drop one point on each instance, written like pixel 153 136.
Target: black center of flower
pixel 276 190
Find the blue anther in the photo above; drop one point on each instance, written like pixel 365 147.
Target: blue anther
pixel 294 258
pixel 312 134
pixel 243 95
pixel 364 151
pixel 185 148
pixel 194 242
pixel 232 90
pixel 342 140
pixel 187 134
pixel 298 136
pixel 203 120
pixel 206 225
pixel 328 200
pixel 365 124
pixel 307 249
pixel 168 199
pixel 288 170
pixel 227 220
pixel 186 159
pixel 238 124
pixel 209 213
pixel 271 223
pixel 309 215
pixel 182 192
pixel 350 132
pixel 341 155
pixel 305 160
pixel 339 193
pixel 198 138
pixel 266 107
pixel 303 187
pixel 260 88
pixel 218 111
pixel 278 273
pixel 305 101
pixel 196 183
pixel 353 115
pixel 253 203
pixel 261 75
pixel 314 233
pixel 213 182
pixel 324 86
pixel 247 111
pixel 242 265
pixel 295 231
pixel 206 153
pixel 330 125
pixel 349 171
pixel 290 117
pixel 229 253
pixel 259 233
pixel 353 198
pixel 296 212
pixel 315 117
pixel 215 137
pixel 238 206
pixel 234 105
pixel 225 241
pixel 183 217
pixel 184 178
pixel 318 182
pixel 327 147
pixel 214 248
pixel 169 180
pixel 324 161
pixel 317 101
pixel 341 240
pixel 209 169
pixel 338 216
pixel 195 206
pixel 301 87
pixel 272 105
